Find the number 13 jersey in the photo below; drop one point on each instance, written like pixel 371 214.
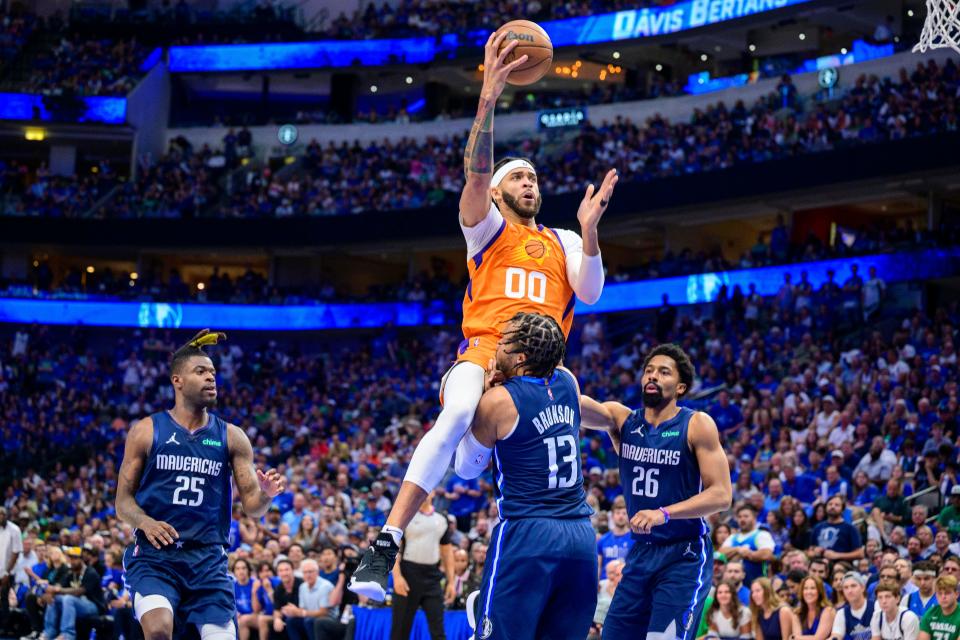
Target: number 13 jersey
pixel 514 268
pixel 537 466
pixel 658 469
pixel 187 479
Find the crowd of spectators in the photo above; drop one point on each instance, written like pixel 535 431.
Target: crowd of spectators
pixel 73 64
pixel 15 29
pixel 343 178
pixel 810 414
pixel 252 286
pixel 40 193
pixel 81 66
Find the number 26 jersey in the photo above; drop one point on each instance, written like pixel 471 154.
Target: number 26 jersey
pixel 658 469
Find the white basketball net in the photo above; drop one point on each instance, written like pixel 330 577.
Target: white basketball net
pixel 942 28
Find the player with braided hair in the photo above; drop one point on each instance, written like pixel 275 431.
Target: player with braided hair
pixel 539 340
pixel 515 264
pixel 529 422
pixel 174 489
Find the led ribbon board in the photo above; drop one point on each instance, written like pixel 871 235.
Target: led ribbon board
pixel 644 294
pixel 607 27
pixel 40 108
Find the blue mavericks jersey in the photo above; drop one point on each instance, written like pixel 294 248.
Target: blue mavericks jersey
pixel 537 467
pixel 186 482
pixel 658 469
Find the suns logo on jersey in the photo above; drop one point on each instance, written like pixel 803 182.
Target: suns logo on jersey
pixel 531 249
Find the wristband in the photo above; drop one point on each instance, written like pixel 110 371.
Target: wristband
pixel 666 514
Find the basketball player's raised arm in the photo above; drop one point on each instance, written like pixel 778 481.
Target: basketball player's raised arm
pixel 257 489
pixel 584 263
pixel 135 453
pixel 496 413
pixel 478 155
pixel 603 416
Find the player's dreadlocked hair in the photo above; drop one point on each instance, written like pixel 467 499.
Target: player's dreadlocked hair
pixel 195 348
pixel 684 365
pixel 540 339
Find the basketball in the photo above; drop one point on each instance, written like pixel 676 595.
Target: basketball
pixel 535 44
pixel 534 248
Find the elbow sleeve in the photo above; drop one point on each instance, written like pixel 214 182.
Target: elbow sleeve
pixel 472 457
pixel 588 283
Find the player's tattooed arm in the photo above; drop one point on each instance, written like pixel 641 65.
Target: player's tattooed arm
pixel 256 488
pixel 478 166
pixel 478 155
pixel 135 452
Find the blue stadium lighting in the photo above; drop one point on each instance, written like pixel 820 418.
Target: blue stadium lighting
pixel 309 55
pixel 646 294
pixel 151 60
pixel 608 27
pixel 703 287
pixel 416 105
pixel 27 106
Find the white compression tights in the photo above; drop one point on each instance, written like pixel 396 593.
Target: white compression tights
pixel 461 395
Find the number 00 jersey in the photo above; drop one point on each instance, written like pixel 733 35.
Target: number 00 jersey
pixel 514 268
pixel 657 469
pixel 537 467
pixel 186 481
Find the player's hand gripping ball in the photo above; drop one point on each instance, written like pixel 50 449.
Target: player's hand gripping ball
pixel 533 42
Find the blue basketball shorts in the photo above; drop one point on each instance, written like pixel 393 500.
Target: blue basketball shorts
pixel 539 581
pixel 194 579
pixel 661 593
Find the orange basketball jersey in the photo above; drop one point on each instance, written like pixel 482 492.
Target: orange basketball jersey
pixel 519 269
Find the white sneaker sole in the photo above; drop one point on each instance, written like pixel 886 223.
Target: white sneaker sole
pixel 370 590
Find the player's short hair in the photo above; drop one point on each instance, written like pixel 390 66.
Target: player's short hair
pixel 540 339
pixel 679 356
pixel 194 348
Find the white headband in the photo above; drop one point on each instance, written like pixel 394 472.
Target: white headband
pixel 503 171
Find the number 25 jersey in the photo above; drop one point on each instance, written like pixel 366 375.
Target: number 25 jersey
pixel 658 469
pixel 187 479
pixel 514 268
